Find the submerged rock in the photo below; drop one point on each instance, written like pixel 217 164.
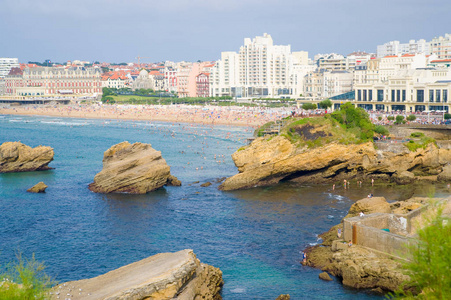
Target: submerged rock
pixel 283 297
pixel 178 275
pixel 38 188
pixel 132 168
pixel 18 157
pixel 206 184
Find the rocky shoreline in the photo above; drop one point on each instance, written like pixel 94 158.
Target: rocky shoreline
pixel 363 267
pixel 272 159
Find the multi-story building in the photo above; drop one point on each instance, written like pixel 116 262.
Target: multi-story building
pixel 115 80
pixel 39 81
pixel 441 46
pixel 6 64
pixel 324 83
pixel 397 48
pixel 203 85
pixel 259 69
pixel 408 90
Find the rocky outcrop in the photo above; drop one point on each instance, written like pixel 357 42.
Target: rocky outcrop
pixel 267 161
pixel 18 157
pixel 178 275
pixel 38 188
pixel 132 168
pixel 324 276
pixel 357 266
pixel 445 175
pixel 283 297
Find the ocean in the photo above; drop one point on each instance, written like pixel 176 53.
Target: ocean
pixel 254 236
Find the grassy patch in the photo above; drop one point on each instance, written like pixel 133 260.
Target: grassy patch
pixel 319 131
pixel 24 280
pixel 422 143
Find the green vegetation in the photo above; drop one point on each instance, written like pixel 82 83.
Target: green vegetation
pixel 309 106
pixel 399 119
pixel 417 134
pixel 325 104
pixel 259 131
pixel 422 143
pixel 356 120
pixel 390 118
pixel 24 280
pixel 380 129
pixel 411 118
pixel 447 116
pixel 318 131
pixel 430 268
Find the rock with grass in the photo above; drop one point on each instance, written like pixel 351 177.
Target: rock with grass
pixel 132 168
pixel 18 157
pixel 323 150
pixel 38 188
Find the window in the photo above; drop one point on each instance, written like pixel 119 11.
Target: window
pixel 393 95
pixel 359 95
pixel 420 95
pixel 380 95
pixel 398 95
pixel 445 96
pixel 431 95
pixel 370 95
pixel 437 96
pixel 364 95
pixel 403 95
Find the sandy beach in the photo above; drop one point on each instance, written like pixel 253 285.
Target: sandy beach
pixel 211 115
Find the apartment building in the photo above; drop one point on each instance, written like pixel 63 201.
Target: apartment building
pixel 397 48
pixel 259 69
pixel 6 64
pixel 441 46
pixel 324 83
pixel 38 81
pixel 203 85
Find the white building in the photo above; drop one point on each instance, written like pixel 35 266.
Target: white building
pixel 259 69
pixel 441 46
pixel 6 64
pixel 397 48
pixel 408 90
pixel 324 83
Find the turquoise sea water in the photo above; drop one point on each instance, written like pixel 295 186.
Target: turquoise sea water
pixel 254 236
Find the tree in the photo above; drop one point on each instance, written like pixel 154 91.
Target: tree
pixel 390 118
pixel 430 266
pixel 411 118
pixel 447 116
pixel 325 104
pixel 356 119
pixel 308 106
pixel 399 119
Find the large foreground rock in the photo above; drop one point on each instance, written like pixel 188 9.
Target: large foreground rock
pixel 178 275
pixel 132 168
pixel 267 161
pixel 18 157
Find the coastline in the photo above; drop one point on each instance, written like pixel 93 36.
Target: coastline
pixel 206 115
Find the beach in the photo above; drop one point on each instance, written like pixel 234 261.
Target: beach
pixel 211 115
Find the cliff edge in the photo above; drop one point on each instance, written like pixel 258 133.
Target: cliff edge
pixel 320 150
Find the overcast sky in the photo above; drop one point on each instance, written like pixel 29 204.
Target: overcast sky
pixel 191 30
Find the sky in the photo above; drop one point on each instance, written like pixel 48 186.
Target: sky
pixel 191 30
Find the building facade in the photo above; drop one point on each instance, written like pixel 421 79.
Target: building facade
pixel 411 90
pixel 50 81
pixel 6 64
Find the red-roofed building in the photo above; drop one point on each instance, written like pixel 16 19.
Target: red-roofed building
pixel 203 85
